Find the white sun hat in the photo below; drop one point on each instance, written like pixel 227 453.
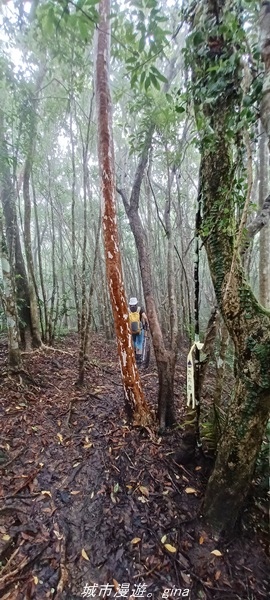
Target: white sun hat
pixel 133 301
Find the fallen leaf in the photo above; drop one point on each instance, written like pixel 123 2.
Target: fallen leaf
pixel 201 540
pixel 35 578
pixel 135 540
pixel 6 537
pixel 170 548
pixel 163 539
pixel 216 553
pixel 217 575
pixel 76 464
pixel 190 491
pixel 115 585
pixel 87 445
pixel 183 560
pixel 59 435
pixel 144 491
pixel 75 492
pixel 46 493
pixel 185 577
pixel 84 555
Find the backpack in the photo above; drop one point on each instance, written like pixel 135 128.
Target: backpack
pixel 135 322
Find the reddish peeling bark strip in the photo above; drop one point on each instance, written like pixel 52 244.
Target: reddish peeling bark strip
pixel 135 401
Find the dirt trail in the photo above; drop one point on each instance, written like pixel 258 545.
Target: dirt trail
pixel 89 505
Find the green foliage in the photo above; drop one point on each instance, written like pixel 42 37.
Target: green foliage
pixel 216 51
pixel 56 17
pixel 143 37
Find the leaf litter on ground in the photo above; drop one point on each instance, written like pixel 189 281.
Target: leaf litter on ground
pixel 89 499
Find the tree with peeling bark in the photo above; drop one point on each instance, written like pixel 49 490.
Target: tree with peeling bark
pixel 134 397
pixel 216 62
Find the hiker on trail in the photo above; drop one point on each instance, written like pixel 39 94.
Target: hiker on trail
pixel 138 323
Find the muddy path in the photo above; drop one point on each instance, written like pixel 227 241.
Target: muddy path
pixel 90 507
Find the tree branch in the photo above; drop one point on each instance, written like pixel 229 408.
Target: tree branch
pixel 136 188
pixel 260 220
pixel 124 198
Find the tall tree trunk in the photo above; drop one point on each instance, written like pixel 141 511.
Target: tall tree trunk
pixel 33 289
pixel 264 23
pixel 174 329
pixel 164 358
pixel 40 268
pixel 85 313
pixel 14 242
pixel 86 321
pixel 134 397
pixel 64 307
pixel 9 304
pixel 184 284
pixel 264 266
pixel 248 324
pixel 31 146
pixel 53 307
pixel 73 206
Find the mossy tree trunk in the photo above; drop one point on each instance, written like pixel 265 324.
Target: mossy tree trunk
pixel 264 247
pixel 9 304
pixel 217 108
pixel 15 254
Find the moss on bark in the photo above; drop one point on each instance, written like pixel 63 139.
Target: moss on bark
pixel 247 322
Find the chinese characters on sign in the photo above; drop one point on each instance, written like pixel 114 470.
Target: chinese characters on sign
pixel 124 590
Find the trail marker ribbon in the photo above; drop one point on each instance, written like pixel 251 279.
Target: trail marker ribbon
pixel 191 400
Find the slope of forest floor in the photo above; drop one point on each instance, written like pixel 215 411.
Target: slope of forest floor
pixel 89 505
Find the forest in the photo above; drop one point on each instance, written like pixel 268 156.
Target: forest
pixel 135 299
